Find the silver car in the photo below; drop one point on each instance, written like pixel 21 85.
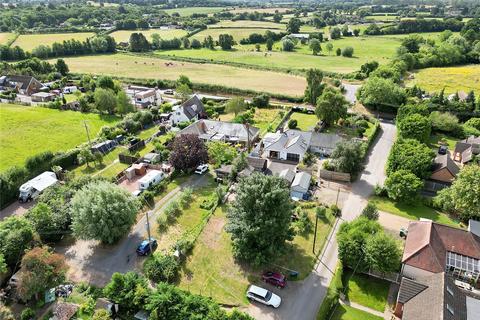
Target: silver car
pixel 263 296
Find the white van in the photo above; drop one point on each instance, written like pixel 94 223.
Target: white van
pixel 150 179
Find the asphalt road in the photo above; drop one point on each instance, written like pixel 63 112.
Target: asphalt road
pixel 95 263
pixel 301 300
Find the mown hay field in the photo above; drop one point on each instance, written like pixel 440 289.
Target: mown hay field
pixel 5 37
pixel 191 10
pixel 29 42
pixel 124 35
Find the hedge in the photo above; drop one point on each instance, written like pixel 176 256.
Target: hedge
pixel 333 294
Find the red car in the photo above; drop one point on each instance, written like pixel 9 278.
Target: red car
pixel 275 278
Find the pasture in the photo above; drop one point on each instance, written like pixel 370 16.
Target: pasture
pixel 184 12
pixel 6 37
pixel 124 35
pixel 152 68
pixel 247 24
pixel 453 79
pixel 261 10
pixel 237 33
pixel 26 131
pixel 29 42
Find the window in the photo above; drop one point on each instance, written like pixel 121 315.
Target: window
pixel 449 290
pixel 293 157
pixel 450 309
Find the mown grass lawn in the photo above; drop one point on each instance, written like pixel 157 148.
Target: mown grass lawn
pixel 344 312
pixel 29 42
pixel 438 139
pixel 26 131
pixel 413 211
pixel 263 118
pixel 305 122
pixel 237 33
pixel 367 291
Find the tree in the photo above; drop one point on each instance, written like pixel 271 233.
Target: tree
pixel 338 52
pixel 41 270
pixel 3 265
pixel 292 124
pixel 188 152
pixel 124 104
pixel 104 82
pixel 347 52
pixel 403 186
pixel 370 211
pixel 236 105
pixel 369 67
pixel 314 86
pixel 288 45
pixel 444 121
pixel 331 106
pixel 261 202
pixel 61 67
pixel 412 43
pixel 261 100
pixel 105 100
pixel 335 33
pixel 161 268
pixel 277 17
pixel 138 42
pixel 208 43
pixel 48 225
pixel 329 47
pixel 410 155
pixel 382 253
pixel 129 290
pixel 186 43
pixel 415 126
pixel 183 92
pixel 347 157
pixel 225 41
pixel 183 79
pixel 16 235
pixel 92 219
pixel 270 43
pixel 195 44
pixel 315 46
pixel 461 197
pixel 378 92
pixel 220 152
pixel 85 156
pixel 293 25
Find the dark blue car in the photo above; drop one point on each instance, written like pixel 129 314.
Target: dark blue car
pixel 144 248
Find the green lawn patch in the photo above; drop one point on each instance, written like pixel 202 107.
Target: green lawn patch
pixel 367 291
pixel 29 42
pixel 26 131
pixel 305 122
pixel 438 139
pixel 147 133
pixel 344 312
pixel 413 211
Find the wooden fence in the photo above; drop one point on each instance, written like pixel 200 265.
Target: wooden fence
pixel 336 176
pixel 127 159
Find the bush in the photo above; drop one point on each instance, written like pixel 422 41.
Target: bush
pixel 186 197
pixel 261 100
pixel 347 52
pixel 292 124
pixel 161 268
pixel 336 211
pixel 403 186
pixel 380 191
pixel 370 211
pixel 220 192
pixel 27 314
pixel 172 210
pixel 304 224
pixel 185 245
pixel 149 197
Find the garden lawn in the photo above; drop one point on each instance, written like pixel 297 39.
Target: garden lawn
pixel 413 211
pixel 438 139
pixel 5 37
pixel 122 65
pixel 305 122
pixel 124 35
pixel 188 11
pixel 26 131
pixel 344 312
pixel 30 41
pixel 107 169
pixel 367 291
pixel 453 79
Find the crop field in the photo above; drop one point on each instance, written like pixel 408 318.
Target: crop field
pixel 25 131
pixel 237 33
pixel 5 37
pixel 152 68
pixel 453 79
pixel 191 10
pixel 124 35
pixel 31 41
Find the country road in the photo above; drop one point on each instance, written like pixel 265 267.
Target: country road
pixel 301 300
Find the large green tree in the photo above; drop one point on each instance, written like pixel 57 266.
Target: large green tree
pixel 124 105
pixel 236 105
pixel 129 290
pixel 410 155
pixel 314 86
pixel 415 126
pixel 49 225
pixel 16 235
pixel 463 196
pixel 226 41
pixel 347 157
pixel 105 100
pixel 259 218
pixel 331 106
pixel 220 152
pixel 315 46
pixel 383 253
pixel 293 25
pixel 378 93
pixel 103 211
pixel 403 186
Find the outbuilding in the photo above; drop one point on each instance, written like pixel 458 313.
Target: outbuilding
pixel 150 179
pixel 300 185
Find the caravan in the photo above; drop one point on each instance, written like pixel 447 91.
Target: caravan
pixel 150 179
pixel 32 188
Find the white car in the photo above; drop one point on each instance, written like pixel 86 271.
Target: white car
pixel 263 296
pixel 201 169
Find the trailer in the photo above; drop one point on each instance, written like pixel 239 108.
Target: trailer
pixel 150 179
pixel 34 187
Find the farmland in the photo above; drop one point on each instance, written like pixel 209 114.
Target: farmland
pixel 262 10
pixel 237 33
pixel 31 41
pixel 124 35
pixel 453 79
pixel 25 131
pixel 191 10
pixel 247 24
pixel 152 68
pixel 5 37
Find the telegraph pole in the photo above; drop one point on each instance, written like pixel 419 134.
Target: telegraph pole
pixel 88 133
pixel 148 232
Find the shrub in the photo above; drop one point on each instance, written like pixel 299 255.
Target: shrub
pixel 27 314
pixel 403 186
pixel 208 203
pixel 149 197
pixel 380 191
pixel 336 211
pixel 172 210
pixel 261 100
pixel 186 197
pixel 220 192
pixel 444 121
pixel 304 224
pixel 347 52
pixel 292 124
pixel 161 268
pixel 185 245
pixel 370 211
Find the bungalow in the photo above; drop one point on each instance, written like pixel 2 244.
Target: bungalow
pixel 324 143
pixel 234 133
pixel 300 185
pixel 192 109
pixel 466 149
pixel 290 145
pixel 445 169
pixel 26 85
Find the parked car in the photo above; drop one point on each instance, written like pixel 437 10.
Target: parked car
pixel 201 169
pixel 144 248
pixel 442 150
pixel 169 91
pixel 275 278
pixel 136 193
pixel 264 296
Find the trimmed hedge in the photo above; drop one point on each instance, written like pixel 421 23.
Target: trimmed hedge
pixel 333 294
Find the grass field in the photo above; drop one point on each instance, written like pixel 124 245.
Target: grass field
pixel 453 79
pixel 151 68
pixel 248 24
pixel 344 312
pixel 413 212
pixel 191 10
pixel 367 291
pixel 124 35
pixel 305 122
pixel 383 18
pixel 237 33
pixel 5 37
pixel 31 41
pixel 26 131
pixel 263 10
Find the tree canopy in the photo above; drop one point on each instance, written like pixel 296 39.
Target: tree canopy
pixel 188 152
pixel 314 86
pixel 331 106
pixel 16 235
pixel 378 93
pixel 410 155
pixel 403 186
pixel 415 126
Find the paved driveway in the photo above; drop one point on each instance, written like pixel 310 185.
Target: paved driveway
pixel 303 299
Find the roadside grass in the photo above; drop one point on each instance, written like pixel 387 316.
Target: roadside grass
pixel 367 291
pixel 188 11
pixel 306 122
pixel 26 131
pixel 29 42
pixel 6 37
pixel 438 139
pixel 413 211
pixel 124 35
pixel 453 79
pixel 122 65
pixel 344 312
